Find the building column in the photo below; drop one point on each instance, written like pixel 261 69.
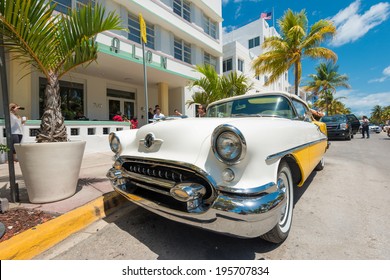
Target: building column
pixel 163 98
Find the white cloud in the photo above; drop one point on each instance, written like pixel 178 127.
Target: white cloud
pixel 351 25
pixel 386 75
pixel 362 103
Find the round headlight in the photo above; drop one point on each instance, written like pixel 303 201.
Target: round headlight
pixel 115 144
pixel 228 144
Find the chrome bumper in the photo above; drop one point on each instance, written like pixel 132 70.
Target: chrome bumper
pixel 241 215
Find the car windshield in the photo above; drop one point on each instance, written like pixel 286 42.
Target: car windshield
pixel 267 105
pixel 333 119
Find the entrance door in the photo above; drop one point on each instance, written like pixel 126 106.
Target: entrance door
pixel 124 106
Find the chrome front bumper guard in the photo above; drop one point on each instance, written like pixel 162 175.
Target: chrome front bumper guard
pixel 243 215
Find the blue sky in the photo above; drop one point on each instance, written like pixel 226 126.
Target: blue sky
pixel 362 42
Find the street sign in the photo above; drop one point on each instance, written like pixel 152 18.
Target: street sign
pixel 142 28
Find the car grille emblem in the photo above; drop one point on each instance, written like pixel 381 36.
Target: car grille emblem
pixel 149 140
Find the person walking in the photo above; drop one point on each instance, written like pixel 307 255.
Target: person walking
pixel 17 123
pixel 365 127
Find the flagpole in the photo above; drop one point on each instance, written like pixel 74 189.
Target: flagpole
pixel 273 18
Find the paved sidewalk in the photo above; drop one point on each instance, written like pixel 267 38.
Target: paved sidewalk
pixel 94 199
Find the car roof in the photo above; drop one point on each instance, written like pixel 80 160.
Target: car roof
pixel 282 93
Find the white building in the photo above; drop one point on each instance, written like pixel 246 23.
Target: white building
pixel 242 45
pixel 181 34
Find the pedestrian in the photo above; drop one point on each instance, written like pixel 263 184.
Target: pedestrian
pixel 158 114
pixel 118 117
pixel 201 111
pixel 365 127
pixel 177 113
pixel 150 114
pixel 17 123
pixel 134 122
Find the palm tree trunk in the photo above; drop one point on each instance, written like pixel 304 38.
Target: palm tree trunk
pixel 52 123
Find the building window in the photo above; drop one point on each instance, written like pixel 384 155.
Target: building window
pixel 285 76
pixel 182 50
pixel 265 79
pixel 228 65
pixel 210 60
pixel 135 34
pixel 64 6
pixel 72 98
pixel 209 26
pixel 183 9
pixel 240 65
pixel 254 42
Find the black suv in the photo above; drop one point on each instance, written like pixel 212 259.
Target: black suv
pixel 341 126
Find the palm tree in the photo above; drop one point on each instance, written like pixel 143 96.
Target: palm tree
pixel 53 45
pixel 212 87
pixel 296 42
pixel 328 103
pixel 234 84
pixel 327 78
pixel 376 114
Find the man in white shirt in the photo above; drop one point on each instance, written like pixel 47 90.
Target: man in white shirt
pixel 158 114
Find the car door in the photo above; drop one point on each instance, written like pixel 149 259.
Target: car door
pixel 316 141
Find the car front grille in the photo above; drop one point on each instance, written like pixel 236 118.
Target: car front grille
pixel 153 180
pixel 331 127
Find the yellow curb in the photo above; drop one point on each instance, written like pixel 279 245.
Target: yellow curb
pixel 34 241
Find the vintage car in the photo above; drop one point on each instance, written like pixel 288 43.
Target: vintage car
pixel 231 172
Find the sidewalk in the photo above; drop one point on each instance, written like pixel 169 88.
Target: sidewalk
pixel 94 199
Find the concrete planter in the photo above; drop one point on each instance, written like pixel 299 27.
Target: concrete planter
pixel 50 170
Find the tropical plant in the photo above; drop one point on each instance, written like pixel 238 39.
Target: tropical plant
pixel 326 78
pixel 3 148
pixel 212 87
pixel 331 105
pixel 54 45
pixel 325 82
pixel 296 43
pixel 376 114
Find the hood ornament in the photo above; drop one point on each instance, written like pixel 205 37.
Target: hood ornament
pixel 149 140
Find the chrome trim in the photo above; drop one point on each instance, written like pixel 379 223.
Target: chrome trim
pixel 243 216
pixel 150 140
pixel 169 163
pixel 227 127
pixel 297 148
pixel 110 138
pixel 150 180
pixel 266 188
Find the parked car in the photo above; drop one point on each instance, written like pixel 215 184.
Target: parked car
pixel 374 128
pixel 231 172
pixel 340 126
pixel 355 123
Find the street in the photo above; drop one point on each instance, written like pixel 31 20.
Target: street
pixel 341 213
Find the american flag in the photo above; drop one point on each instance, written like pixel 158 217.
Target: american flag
pixel 266 15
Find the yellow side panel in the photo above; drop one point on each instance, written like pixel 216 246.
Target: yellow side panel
pixel 322 127
pixel 308 158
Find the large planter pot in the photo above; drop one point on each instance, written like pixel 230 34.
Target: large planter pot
pixel 50 170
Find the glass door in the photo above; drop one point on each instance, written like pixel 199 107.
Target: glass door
pixel 114 107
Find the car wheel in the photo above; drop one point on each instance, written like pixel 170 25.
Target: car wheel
pixel 281 230
pixel 349 137
pixel 320 165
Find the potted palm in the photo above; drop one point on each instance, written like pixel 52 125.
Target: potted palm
pixel 53 44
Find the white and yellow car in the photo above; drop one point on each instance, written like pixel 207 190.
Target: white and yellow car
pixel 232 172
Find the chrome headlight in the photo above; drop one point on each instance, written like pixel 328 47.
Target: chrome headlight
pixel 343 126
pixel 115 143
pixel 228 144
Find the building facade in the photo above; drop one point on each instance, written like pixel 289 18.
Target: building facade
pixel 242 45
pixel 180 35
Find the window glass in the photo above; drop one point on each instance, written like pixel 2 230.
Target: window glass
pixel 228 65
pixel 302 110
pixel 267 105
pixel 182 50
pixel 240 63
pixel 209 26
pixel 254 42
pixel 210 60
pixel 63 6
pixel 135 33
pixel 182 8
pixel 72 98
